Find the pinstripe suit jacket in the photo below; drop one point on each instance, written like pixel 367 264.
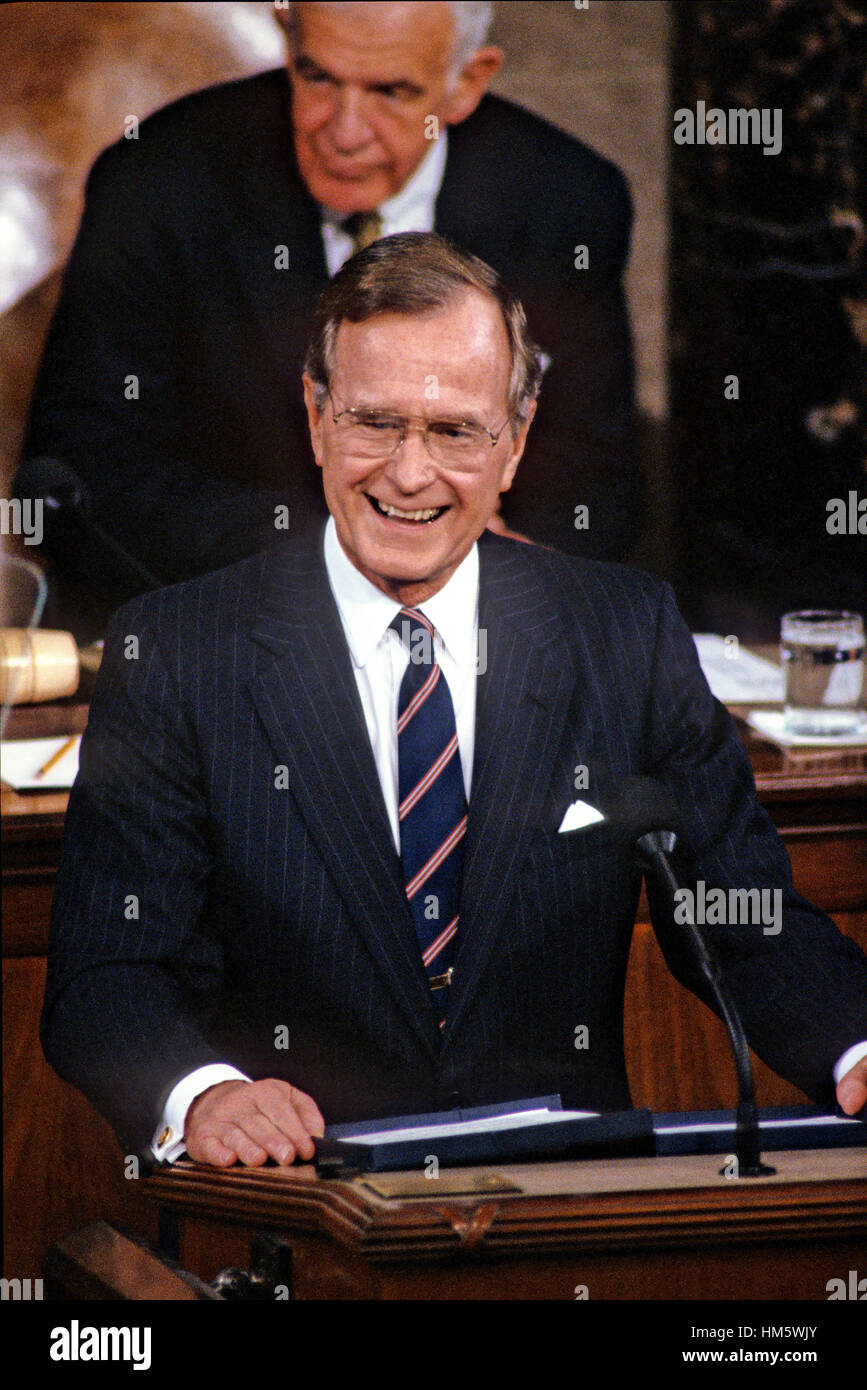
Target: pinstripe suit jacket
pixel 229 888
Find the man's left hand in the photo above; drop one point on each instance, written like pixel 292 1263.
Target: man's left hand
pixel 852 1088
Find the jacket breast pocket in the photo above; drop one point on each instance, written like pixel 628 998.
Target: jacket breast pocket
pixel 574 845
pixel 583 857
pixel 565 886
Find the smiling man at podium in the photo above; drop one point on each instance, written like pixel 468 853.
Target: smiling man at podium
pixel 318 864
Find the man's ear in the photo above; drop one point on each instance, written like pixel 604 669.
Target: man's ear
pixel 471 84
pixel 518 445
pixel 314 418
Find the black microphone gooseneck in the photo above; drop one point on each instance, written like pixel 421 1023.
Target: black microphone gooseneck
pixel 645 814
pixel 66 495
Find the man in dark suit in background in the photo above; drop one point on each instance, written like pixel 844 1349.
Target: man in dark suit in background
pixel 313 867
pixel 169 381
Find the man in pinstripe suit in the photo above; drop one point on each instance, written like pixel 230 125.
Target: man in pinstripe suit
pixel 241 949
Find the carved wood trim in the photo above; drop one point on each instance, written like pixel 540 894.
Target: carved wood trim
pixel 787 1208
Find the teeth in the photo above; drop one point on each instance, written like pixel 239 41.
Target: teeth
pixel 426 514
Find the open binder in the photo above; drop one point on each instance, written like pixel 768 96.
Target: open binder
pixel 540 1129
pixel 514 1132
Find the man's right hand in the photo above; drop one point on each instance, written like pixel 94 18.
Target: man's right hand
pixel 250 1121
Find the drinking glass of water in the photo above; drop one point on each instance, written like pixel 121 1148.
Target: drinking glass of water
pixel 823 663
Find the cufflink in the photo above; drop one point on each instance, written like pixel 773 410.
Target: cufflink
pixel 165 1137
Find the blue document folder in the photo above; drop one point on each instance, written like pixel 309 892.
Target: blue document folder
pixel 539 1128
pixel 514 1132
pixel 780 1127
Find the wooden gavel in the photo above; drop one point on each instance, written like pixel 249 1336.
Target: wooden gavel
pixel 37 664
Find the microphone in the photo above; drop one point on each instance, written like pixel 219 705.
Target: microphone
pixel 66 497
pixel 645 821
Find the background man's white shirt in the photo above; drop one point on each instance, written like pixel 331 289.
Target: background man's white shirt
pixel 411 209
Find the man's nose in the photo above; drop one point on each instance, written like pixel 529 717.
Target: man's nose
pixel 349 126
pixel 411 467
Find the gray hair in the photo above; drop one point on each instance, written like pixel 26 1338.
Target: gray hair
pixel 472 20
pixel 419 273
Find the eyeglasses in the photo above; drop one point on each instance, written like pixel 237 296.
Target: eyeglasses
pixel 377 434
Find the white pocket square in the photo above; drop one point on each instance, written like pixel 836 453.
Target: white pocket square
pixel 579 815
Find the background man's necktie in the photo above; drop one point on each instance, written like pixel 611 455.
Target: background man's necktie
pixel 363 227
pixel 432 806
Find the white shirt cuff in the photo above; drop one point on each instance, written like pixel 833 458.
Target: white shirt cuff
pixel 848 1060
pixel 168 1140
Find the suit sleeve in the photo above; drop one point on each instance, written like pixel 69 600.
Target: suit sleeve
pixel 801 990
pixel 131 977
pixel 107 399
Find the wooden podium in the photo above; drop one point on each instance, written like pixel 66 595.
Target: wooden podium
pixel 62 1167
pixel 642 1228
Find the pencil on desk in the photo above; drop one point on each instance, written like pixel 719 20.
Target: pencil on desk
pixel 55 757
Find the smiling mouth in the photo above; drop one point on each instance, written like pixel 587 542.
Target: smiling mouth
pixel 421 515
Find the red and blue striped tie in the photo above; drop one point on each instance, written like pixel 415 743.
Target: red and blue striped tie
pixel 432 806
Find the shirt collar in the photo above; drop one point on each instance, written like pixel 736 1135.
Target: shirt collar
pixel 419 193
pixel 366 611
pixel 414 202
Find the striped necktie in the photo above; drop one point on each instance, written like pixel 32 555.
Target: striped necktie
pixel 432 806
pixel 364 228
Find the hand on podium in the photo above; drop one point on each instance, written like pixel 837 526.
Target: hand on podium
pixel 251 1121
pixel 852 1088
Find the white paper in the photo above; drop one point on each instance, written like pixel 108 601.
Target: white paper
pixel 744 679
pixel 714 1126
pixel 21 759
pixel 488 1124
pixel 771 724
pixel 580 814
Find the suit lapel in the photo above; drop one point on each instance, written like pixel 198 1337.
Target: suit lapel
pixel 275 241
pixel 308 702
pixel 522 701
pixel 307 699
pixel 478 206
pixel 268 188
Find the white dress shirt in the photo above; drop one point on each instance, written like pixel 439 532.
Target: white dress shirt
pixel 411 209
pixel 379 660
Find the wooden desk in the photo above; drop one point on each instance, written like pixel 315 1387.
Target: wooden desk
pixel 624 1228
pixel 62 1167
pixel 819 805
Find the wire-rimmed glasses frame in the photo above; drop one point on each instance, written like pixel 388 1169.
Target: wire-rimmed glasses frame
pixel 378 434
